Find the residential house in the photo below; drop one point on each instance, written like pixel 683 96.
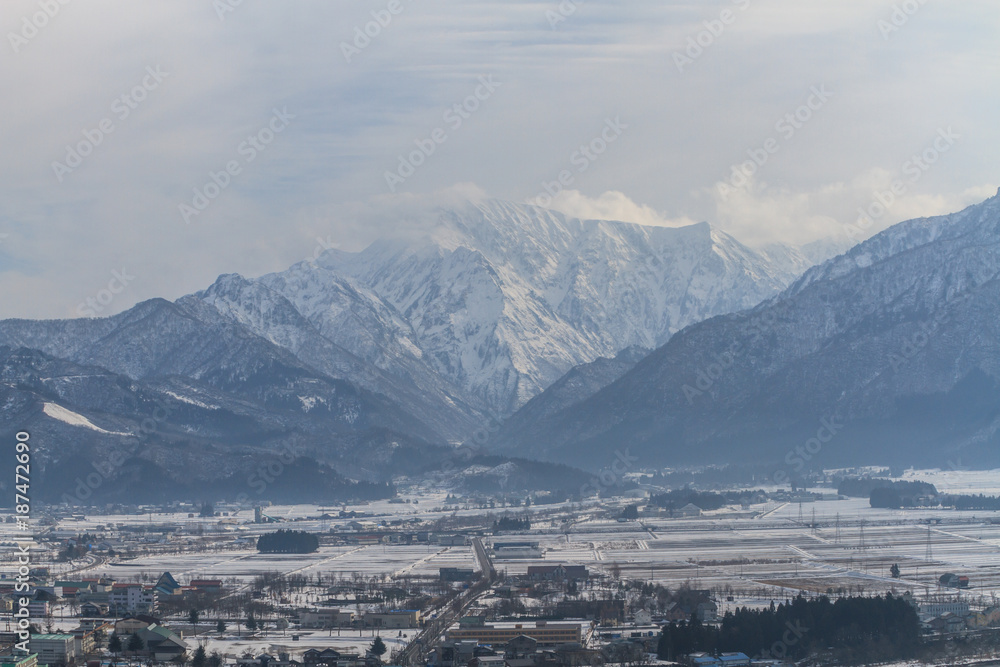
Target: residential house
pixel 162 643
pixel 94 609
pixel 268 660
pixel 521 646
pixel 320 658
pixel 133 624
pixel 688 511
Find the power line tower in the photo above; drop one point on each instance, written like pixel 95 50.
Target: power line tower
pixel 928 554
pixel 800 513
pixel 861 545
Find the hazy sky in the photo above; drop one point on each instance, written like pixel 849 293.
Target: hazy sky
pixel 309 113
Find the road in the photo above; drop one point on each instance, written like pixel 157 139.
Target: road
pixel 485 563
pixel 450 612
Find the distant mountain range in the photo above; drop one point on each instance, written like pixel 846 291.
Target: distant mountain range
pixel 889 353
pixel 357 365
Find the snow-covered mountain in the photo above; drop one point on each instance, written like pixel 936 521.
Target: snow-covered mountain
pixel 365 358
pixel 502 299
pixel 889 353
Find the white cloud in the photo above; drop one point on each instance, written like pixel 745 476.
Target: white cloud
pixel 758 213
pixel 610 205
pixel 323 177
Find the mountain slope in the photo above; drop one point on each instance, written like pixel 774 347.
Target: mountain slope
pixel 502 299
pixel 888 353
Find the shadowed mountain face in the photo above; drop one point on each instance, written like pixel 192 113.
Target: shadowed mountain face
pixel 888 353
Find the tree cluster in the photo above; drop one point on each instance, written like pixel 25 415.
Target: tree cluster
pixel 511 523
pixel 288 542
pixel 861 629
pixel 706 500
pixel 862 487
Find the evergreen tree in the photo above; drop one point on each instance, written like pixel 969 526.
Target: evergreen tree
pixel 378 647
pixel 220 627
pixel 134 644
pixel 115 644
pixel 199 659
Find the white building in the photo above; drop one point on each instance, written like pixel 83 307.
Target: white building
pixel 503 550
pixel 956 607
pixel 131 599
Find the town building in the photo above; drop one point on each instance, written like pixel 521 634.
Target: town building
pixel 557 573
pixel 207 585
pixel 957 607
pixel 453 574
pixel 131 599
pixel 396 619
pixel 30 660
pixel 167 585
pixel 161 643
pixel 546 634
pixel 54 649
pixel 330 617
pixel 723 660
pixel 504 550
pixel 94 609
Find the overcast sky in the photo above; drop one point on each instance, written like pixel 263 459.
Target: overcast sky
pixel 667 96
